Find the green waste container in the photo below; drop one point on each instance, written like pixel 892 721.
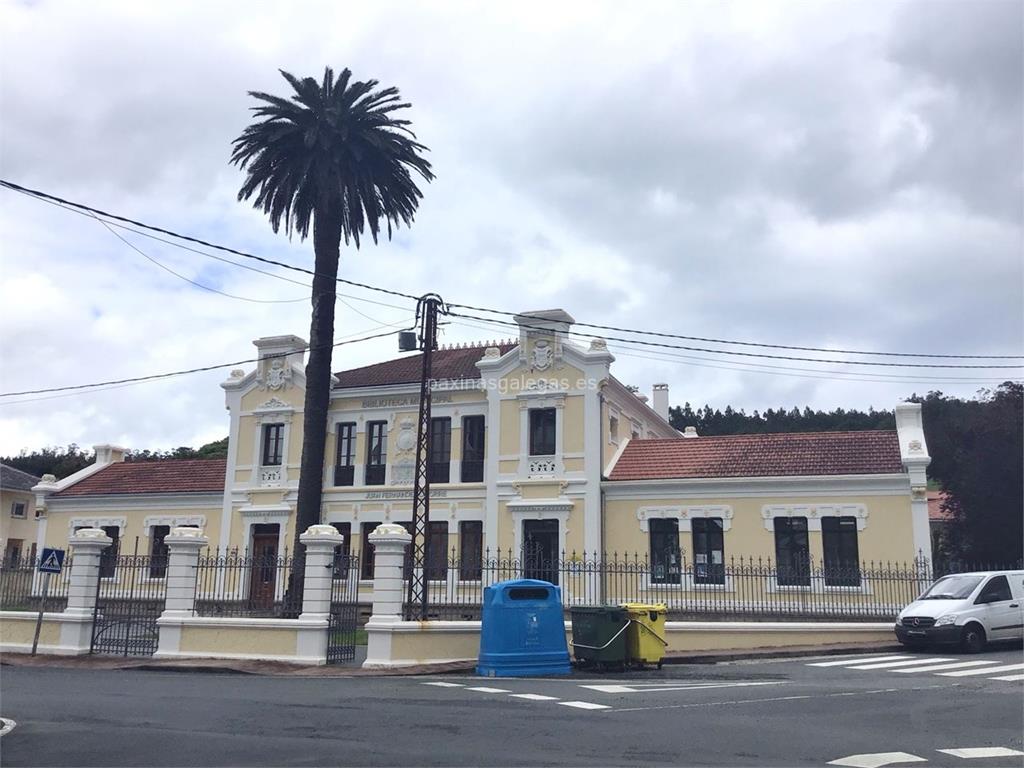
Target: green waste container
pixel 599 635
pixel 646 636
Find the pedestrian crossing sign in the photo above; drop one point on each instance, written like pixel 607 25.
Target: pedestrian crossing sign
pixel 52 560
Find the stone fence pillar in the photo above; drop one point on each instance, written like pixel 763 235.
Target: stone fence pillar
pixel 183 548
pixel 389 542
pixel 87 544
pixel 320 542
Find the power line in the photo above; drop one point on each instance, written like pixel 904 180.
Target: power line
pixel 777 370
pixel 339 296
pixel 618 329
pixel 96 211
pixel 660 334
pixel 188 279
pixel 201 369
pixel 752 354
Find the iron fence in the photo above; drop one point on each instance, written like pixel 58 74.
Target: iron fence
pixel 752 589
pixel 239 583
pixel 21 586
pixel 131 593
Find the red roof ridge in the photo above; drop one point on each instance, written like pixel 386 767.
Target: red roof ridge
pixel 766 434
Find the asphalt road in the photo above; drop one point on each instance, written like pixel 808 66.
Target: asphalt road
pixel 791 712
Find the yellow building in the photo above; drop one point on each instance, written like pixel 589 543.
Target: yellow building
pixel 534 445
pixel 18 527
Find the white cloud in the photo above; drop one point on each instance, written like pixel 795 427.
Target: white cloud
pixel 839 175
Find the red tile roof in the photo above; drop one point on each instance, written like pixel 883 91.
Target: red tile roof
pixel 166 476
pixel 448 364
pixel 936 514
pixel 794 453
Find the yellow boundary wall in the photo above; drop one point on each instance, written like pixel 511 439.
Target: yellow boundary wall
pixel 411 643
pixel 61 634
pixel 300 641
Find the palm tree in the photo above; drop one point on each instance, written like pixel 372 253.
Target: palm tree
pixel 334 154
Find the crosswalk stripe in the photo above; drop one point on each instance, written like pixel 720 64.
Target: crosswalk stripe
pixel 985 671
pixel 1010 678
pixel 892 664
pixel 489 690
pixel 533 697
pixel 856 661
pixel 971 752
pixel 582 705
pixel 445 685
pixel 877 759
pixel 940 667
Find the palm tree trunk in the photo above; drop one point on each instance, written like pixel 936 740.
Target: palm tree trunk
pixel 326 244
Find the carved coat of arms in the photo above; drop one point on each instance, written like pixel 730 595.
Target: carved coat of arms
pixel 278 375
pixel 542 356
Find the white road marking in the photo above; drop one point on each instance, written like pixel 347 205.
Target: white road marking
pixel 610 688
pixel 6 725
pixel 985 671
pixel 940 667
pixel 861 660
pixel 641 688
pixel 893 664
pixel 1010 678
pixel 972 752
pixel 489 690
pixel 878 759
pixel 533 697
pixel 446 685
pixel 582 705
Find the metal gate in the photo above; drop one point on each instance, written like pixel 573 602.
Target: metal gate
pixel 342 622
pixel 130 595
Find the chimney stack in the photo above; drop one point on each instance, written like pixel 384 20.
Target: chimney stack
pixel 660 400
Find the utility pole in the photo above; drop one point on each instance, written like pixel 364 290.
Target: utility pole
pixel 416 598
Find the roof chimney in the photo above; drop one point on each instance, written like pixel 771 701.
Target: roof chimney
pixel 108 454
pixel 660 400
pixel 690 432
pixel 292 348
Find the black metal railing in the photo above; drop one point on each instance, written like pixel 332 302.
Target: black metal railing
pixel 375 474
pixel 439 472
pixel 238 583
pixel 128 603
pixel 754 589
pixel 344 475
pixel 472 471
pixel 21 586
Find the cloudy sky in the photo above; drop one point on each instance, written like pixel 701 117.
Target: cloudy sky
pixel 838 175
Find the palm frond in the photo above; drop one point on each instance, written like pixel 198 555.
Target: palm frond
pixel 333 149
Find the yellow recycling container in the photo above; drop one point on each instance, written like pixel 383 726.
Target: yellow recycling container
pixel 645 638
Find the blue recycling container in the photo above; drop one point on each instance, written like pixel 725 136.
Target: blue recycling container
pixel 522 630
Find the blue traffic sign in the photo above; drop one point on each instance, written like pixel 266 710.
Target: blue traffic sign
pixel 52 560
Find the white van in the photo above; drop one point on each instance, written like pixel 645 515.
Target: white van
pixel 968 609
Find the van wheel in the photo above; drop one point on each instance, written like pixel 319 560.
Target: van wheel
pixel 972 639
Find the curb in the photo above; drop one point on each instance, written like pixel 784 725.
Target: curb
pixel 714 657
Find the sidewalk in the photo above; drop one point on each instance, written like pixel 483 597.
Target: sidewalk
pixel 283 669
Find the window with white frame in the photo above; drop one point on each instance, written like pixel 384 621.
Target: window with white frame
pixel 542 431
pixel 839 543
pixel 708 550
pixel 666 559
pixel 792 552
pixel 273 444
pixel 18 510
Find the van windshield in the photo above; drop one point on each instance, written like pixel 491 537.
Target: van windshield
pixel 952 588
